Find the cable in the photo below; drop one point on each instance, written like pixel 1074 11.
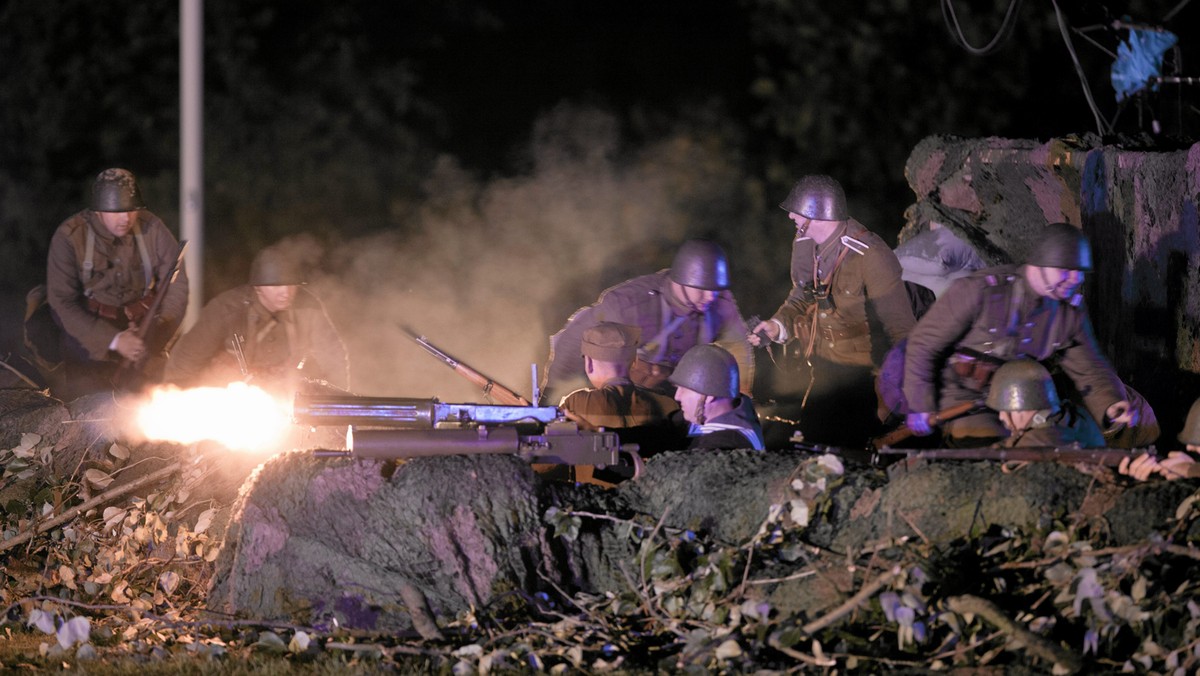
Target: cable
pixel 1101 127
pixel 1001 35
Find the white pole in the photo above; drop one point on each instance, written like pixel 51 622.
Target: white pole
pixel 191 149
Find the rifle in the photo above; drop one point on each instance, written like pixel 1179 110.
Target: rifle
pixel 239 353
pixel 490 387
pixel 1109 457
pixel 404 413
pixel 903 432
pixel 558 443
pixel 130 370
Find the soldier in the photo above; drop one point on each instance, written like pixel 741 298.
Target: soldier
pixel 614 401
pixel 686 305
pixel 706 387
pixel 271 332
pixel 847 307
pixel 1004 313
pixel 103 269
pixel 1023 393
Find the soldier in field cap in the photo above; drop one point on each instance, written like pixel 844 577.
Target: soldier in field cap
pixel 613 401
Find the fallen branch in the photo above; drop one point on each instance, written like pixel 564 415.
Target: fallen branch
pixel 1021 637
pixel 852 603
pixel 76 511
pixel 20 375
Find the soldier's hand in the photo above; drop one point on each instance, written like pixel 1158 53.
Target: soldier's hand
pixel 1176 465
pixel 1140 467
pixel 130 346
pixel 769 329
pixel 919 423
pixel 1122 413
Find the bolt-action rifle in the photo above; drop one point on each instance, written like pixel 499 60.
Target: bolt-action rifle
pixel 903 432
pixel 1109 457
pixel 490 387
pixel 129 373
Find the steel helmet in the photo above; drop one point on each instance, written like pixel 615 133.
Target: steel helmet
pixel 1022 385
pixel 818 197
pixel 1191 427
pixel 116 190
pixel 271 267
pixel 709 370
pixel 1062 245
pixel 701 264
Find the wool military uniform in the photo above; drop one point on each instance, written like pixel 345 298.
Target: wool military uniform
pixel 988 318
pixel 98 285
pixel 847 307
pixel 668 330
pixel 278 348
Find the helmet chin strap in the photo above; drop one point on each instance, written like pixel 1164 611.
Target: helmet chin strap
pixel 699 414
pixel 802 231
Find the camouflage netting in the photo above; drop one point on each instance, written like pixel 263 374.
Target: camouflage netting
pixel 1139 208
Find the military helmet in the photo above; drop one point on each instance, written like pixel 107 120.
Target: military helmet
pixel 701 264
pixel 1191 427
pixel 116 190
pixel 1022 385
pixel 818 197
pixel 1062 245
pixel 272 267
pixel 709 370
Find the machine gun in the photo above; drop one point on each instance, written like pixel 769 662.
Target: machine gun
pixel 400 412
pixel 395 428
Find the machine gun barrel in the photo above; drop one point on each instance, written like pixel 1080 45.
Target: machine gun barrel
pixel 410 413
pixel 560 443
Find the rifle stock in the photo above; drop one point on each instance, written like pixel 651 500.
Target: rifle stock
pixel 903 432
pixel 130 370
pixel 490 387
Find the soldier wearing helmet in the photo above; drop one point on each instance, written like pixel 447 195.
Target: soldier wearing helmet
pixel 1003 313
pixel 847 307
pixel 103 268
pixel 706 387
pixel 1023 394
pixel 270 332
pixel 675 309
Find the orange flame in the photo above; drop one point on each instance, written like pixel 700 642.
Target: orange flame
pixel 239 416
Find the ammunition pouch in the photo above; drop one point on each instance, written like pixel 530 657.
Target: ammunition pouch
pixel 128 314
pixel 975 368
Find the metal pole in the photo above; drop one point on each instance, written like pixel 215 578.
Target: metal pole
pixel 191 150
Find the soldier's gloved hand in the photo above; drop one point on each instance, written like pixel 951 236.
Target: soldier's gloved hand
pixel 128 345
pixel 919 423
pixel 1122 413
pixel 768 328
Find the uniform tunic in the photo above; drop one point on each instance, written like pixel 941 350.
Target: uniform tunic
pixel 299 341
pixel 117 278
pixel 738 428
pixel 668 331
pixel 618 404
pixel 1063 428
pixel 994 312
pixel 870 307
